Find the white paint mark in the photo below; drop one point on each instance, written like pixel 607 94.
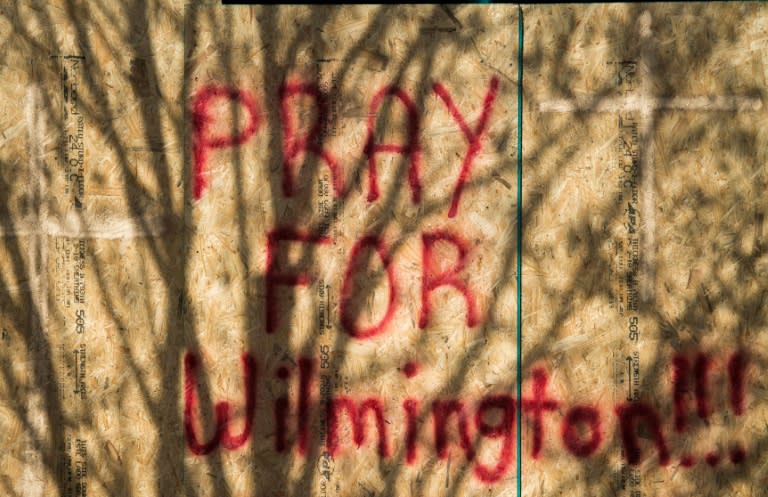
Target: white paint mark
pixel 636 103
pixel 75 226
pixel 647 106
pixel 32 483
pixel 37 227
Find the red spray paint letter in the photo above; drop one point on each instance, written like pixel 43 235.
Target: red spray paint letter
pixel 442 411
pixel 357 417
pixel 281 412
pixel 630 414
pixel 202 121
pixel 538 406
pixel 275 277
pixel 474 137
pixel 222 409
pixel 348 314
pixel 504 429
pixel 411 408
pixel 294 145
pixel 306 380
pixel 582 415
pixel 431 281
pixel 412 149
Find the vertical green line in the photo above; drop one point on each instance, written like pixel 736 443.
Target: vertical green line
pixel 519 249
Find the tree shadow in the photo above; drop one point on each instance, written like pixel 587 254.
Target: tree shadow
pixel 143 64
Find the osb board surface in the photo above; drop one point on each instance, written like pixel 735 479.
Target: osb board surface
pixel 644 145
pixel 642 179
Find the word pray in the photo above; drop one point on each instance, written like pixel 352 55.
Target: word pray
pixel 295 144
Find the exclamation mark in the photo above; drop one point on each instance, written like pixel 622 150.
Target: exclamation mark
pixel 701 371
pixel 703 409
pixel 737 366
pixel 681 368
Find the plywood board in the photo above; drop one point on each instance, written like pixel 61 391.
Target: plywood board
pixel 260 250
pixel 642 138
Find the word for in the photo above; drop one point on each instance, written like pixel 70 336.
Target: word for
pixel 296 144
pixel 494 418
pixel 433 277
